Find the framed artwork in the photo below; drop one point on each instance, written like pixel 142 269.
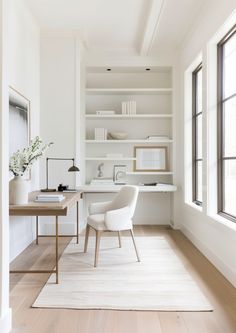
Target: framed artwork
pixel 150 159
pixel 119 174
pixel 19 121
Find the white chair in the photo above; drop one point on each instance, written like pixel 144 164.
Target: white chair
pixel 113 215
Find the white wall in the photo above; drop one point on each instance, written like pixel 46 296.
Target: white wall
pixel 23 71
pixel 60 63
pixel 214 238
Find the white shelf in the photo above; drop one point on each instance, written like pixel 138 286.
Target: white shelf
pixel 127 91
pixel 116 188
pixel 121 116
pixel 128 141
pixel 133 173
pixel 110 159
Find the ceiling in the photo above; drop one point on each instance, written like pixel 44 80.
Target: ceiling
pixel 140 26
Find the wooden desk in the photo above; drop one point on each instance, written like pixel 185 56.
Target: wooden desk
pixel 56 209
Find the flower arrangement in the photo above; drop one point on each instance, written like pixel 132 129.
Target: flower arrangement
pixel 22 160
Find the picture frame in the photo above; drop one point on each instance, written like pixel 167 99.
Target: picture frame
pixel 119 174
pixel 19 123
pixel 150 158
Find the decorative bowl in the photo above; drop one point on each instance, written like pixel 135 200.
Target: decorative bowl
pixel 118 135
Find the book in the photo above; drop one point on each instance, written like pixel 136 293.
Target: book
pixel 155 184
pixel 128 108
pixel 100 133
pixel 102 180
pixel 157 137
pixel 49 198
pixel 133 107
pixel 123 108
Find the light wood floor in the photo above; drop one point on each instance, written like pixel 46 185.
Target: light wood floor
pixel 25 288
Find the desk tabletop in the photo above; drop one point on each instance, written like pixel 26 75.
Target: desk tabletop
pixel 33 208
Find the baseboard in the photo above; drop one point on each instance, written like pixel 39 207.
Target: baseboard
pixel 228 273
pixel 5 323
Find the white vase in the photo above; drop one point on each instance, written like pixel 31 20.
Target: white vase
pixel 18 191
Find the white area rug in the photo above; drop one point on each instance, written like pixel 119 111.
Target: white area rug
pixel 158 282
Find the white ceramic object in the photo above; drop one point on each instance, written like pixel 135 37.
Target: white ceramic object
pixel 18 191
pixel 118 135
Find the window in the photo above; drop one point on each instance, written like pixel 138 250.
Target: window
pixel 227 125
pixel 197 135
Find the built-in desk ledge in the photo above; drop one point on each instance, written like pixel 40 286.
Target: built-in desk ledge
pixel 116 188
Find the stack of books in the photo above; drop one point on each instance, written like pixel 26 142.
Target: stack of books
pixel 128 108
pixel 49 198
pixel 100 133
pixel 105 112
pixel 102 181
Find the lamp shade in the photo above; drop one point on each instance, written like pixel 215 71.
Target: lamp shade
pixel 73 168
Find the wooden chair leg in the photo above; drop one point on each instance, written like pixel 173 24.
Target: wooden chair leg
pixel 86 238
pixel 136 250
pixel 98 237
pixel 119 236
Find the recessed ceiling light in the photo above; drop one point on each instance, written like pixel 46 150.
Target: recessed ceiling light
pixel 108 69
pixel 148 69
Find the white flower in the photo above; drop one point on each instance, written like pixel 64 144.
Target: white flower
pixel 21 161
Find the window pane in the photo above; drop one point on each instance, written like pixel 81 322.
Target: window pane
pixel 199 181
pixel 229 179
pixel 230 127
pixel 229 64
pixel 199 91
pixel 199 137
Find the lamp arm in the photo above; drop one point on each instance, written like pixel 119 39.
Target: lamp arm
pixel 60 159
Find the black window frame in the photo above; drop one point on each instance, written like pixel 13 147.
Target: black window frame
pixel 220 126
pixel 195 115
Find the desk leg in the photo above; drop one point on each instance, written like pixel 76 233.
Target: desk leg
pixel 57 250
pixel 37 230
pixel 77 222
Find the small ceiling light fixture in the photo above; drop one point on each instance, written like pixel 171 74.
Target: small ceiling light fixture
pixel 148 69
pixel 108 69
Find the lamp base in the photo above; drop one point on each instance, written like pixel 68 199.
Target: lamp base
pixel 48 190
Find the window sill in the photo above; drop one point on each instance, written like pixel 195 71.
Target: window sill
pixel 193 205
pixel 223 221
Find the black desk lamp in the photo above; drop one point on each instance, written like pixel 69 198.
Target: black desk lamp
pixel 73 168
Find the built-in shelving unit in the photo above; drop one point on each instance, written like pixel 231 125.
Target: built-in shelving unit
pixel 152 92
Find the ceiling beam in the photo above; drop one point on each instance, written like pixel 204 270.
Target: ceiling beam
pixel 152 23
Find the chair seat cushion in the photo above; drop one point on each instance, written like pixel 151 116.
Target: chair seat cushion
pixel 97 221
